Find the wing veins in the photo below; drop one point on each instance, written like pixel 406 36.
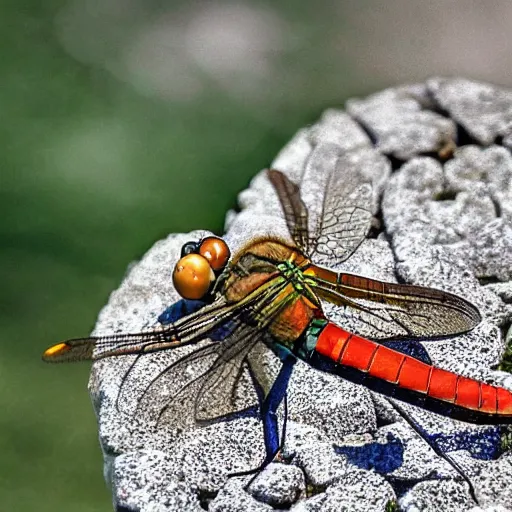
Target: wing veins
pixel 294 209
pixel 344 300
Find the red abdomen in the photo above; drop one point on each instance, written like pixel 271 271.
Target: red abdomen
pixel 408 373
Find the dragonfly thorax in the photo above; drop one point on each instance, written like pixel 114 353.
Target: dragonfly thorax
pixel 257 263
pixel 273 271
pixel 293 274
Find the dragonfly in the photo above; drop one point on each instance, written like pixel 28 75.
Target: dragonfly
pixel 272 291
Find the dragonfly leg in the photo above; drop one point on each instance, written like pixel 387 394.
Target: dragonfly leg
pixel 270 406
pixel 270 457
pixel 424 435
pixel 268 412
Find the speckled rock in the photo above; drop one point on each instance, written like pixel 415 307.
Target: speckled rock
pixel 437 155
pixel 357 491
pixel 143 481
pixel 434 495
pixel 483 110
pixel 399 123
pixel 234 498
pixel 279 485
pixel 320 463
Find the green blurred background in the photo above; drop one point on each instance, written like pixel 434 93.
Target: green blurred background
pixel 125 120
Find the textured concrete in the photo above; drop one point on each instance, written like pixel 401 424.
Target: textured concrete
pixel 438 157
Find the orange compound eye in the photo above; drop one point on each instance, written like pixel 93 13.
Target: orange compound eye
pixel 192 276
pixel 216 251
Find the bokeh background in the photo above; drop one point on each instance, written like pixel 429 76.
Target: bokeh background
pixel 125 120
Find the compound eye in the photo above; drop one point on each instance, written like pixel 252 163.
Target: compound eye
pixel 189 248
pixel 192 276
pixel 216 251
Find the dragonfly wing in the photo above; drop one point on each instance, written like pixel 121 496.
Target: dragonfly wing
pixel 294 209
pixel 95 348
pixel 210 378
pixel 264 367
pixel 224 390
pixel 187 330
pixel 389 310
pixel 205 385
pixel 344 220
pixel 78 349
pixel 172 376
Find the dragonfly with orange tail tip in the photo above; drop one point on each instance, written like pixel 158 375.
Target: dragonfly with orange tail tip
pixel 272 291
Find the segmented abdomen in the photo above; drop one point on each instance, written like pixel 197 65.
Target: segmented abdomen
pixel 406 372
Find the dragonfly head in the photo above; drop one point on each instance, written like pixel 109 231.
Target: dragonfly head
pixel 200 264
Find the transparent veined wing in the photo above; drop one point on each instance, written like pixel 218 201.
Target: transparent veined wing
pixel 391 310
pixel 209 377
pixel 212 378
pixel 206 385
pixel 342 223
pixel 294 209
pixel 187 330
